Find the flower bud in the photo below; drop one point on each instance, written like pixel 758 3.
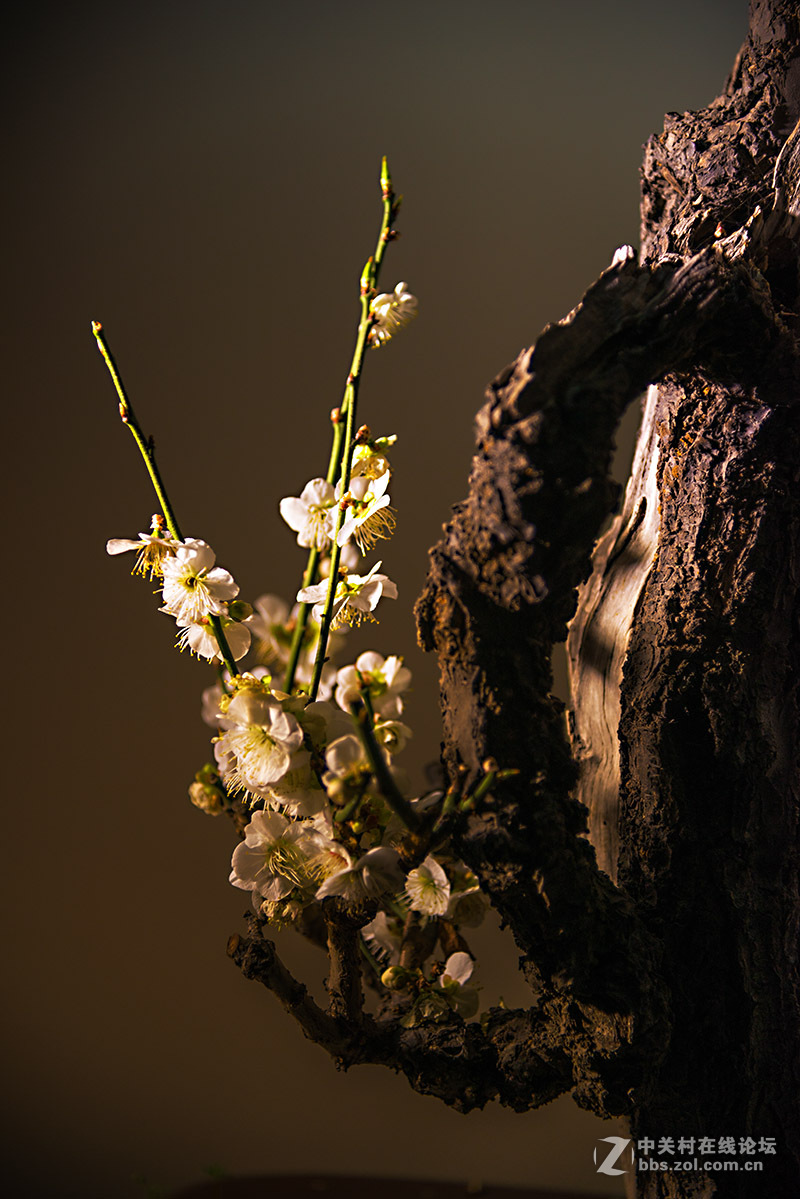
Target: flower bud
pixel 337 789
pixel 207 798
pixel 239 610
pixel 394 978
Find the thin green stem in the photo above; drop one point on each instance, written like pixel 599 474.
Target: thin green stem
pixel 388 787
pixel 312 564
pixel 147 451
pixel 366 699
pixel 301 623
pixel 224 648
pixel 343 814
pixel 484 786
pixel 369 280
pixel 145 446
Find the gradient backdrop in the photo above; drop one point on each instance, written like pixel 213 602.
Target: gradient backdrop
pixel 202 178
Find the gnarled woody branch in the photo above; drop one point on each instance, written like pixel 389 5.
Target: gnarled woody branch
pixel 465 1065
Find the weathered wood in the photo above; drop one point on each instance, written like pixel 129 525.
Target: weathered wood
pixel 598 640
pixel 696 669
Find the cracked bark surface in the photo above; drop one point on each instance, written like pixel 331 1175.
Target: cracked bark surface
pixel 663 972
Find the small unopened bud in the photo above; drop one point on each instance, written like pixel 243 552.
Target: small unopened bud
pixel 489 765
pixel 207 798
pixel 363 434
pixel 239 610
pixel 337 790
pixel 395 978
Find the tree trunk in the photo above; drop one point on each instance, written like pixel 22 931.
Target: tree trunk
pixel 684 650
pixel 685 646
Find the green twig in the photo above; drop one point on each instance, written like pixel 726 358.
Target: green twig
pixel 145 444
pixel 147 451
pixel 312 565
pixel 369 280
pixel 386 784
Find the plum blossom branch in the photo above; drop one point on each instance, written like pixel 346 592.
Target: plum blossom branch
pixel 147 451
pixel 145 444
pixel 369 279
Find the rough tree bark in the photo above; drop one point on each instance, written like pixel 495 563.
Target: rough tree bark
pixel 661 950
pixel 684 648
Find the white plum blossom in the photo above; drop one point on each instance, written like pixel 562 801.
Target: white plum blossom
pixel 345 754
pixel 268 627
pixel 467 904
pixel 355 599
pixel 392 311
pixel 384 937
pixel 327 857
pixel 348 768
pixel 370 459
pixel 297 793
pixel 193 586
pixel 375 872
pixel 272 859
pixel 457 969
pixel 428 888
pixel 384 677
pixel 311 514
pixel 393 735
pixel 210 705
pixel 198 636
pixel 369 515
pixel 323 723
pixel 212 698
pixel 454 979
pixel 151 549
pixel 261 739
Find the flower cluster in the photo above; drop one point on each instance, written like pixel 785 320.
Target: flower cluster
pixel 304 749
pixel 196 593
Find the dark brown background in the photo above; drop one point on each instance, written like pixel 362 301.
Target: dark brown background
pixel 202 177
